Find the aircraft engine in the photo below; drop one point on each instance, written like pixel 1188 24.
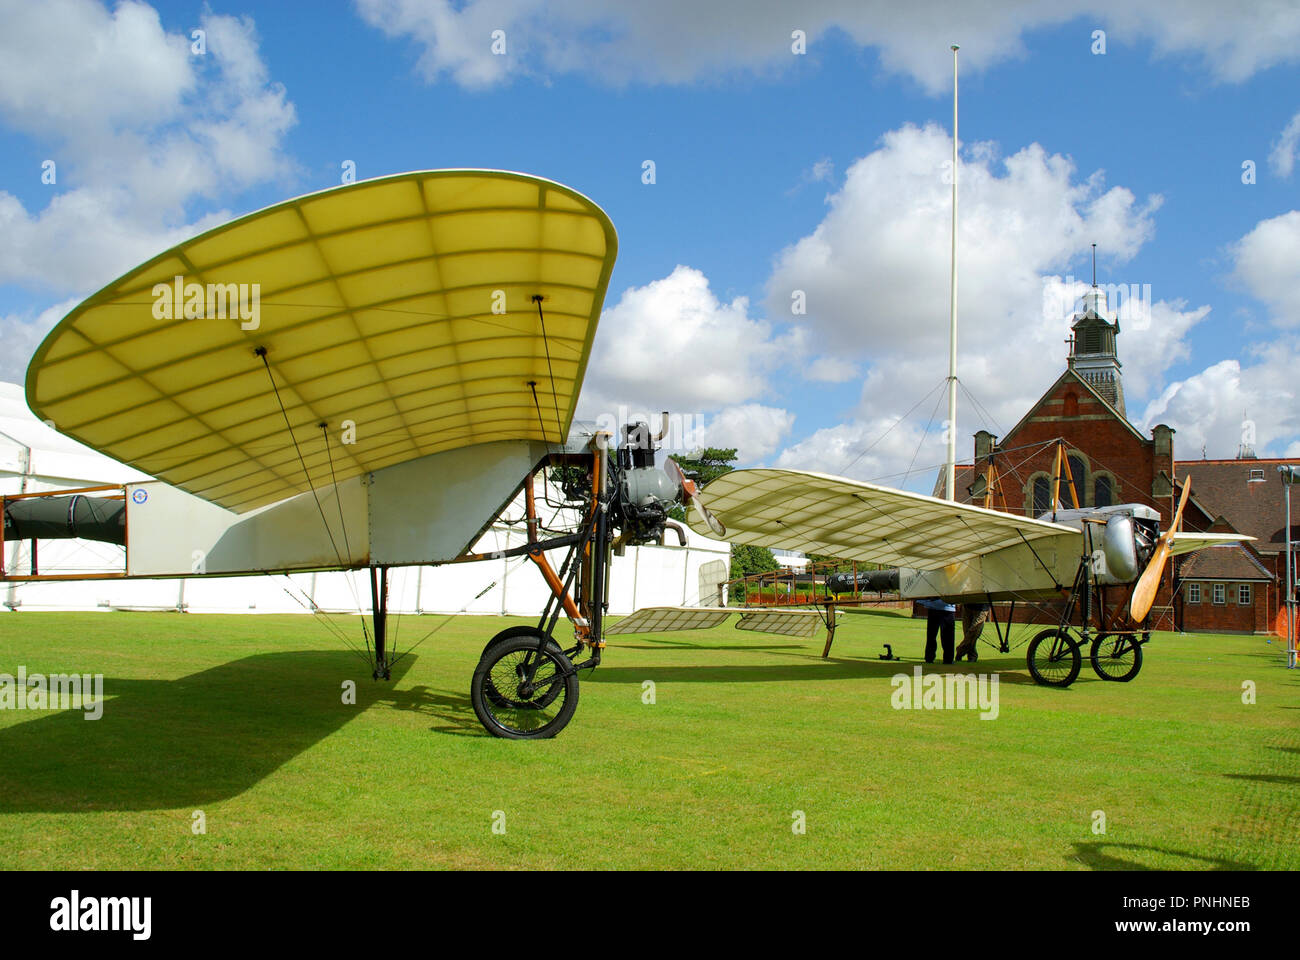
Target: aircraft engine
pixel 645 493
pixel 1126 546
pixel 643 485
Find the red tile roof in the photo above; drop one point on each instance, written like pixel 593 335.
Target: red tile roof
pixel 1256 508
pixel 1222 563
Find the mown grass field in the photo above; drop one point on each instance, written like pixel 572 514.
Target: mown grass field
pixel 241 717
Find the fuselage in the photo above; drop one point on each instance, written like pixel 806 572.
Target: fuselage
pixel 1043 568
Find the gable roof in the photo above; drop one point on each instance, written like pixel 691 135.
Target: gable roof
pixel 1106 404
pixel 1197 503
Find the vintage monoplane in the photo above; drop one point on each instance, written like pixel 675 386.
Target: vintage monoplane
pixel 361 379
pixel 365 377
pixel 976 556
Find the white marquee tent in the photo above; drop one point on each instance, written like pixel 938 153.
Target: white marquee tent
pixel 34 458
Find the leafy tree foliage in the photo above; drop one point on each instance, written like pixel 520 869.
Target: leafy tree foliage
pixel 747 560
pixel 712 463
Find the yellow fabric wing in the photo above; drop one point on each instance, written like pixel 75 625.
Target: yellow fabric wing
pixel 398 312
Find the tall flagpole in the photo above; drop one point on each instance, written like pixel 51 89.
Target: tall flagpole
pixel 951 486
pixel 1290 477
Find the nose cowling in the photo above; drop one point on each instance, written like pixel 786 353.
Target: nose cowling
pixel 1119 545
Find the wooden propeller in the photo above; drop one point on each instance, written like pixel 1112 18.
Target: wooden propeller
pixel 1144 594
pixel 691 497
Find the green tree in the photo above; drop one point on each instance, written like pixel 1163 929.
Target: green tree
pixel 747 560
pixel 712 463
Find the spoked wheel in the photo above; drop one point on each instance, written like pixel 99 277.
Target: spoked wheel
pixel 523 630
pixel 489 690
pixel 522 694
pixel 1054 658
pixel 1116 656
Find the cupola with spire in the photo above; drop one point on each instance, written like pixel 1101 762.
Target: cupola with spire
pixel 1092 347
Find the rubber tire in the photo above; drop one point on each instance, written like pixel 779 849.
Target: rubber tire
pixel 523 630
pixel 1076 660
pixel 1096 661
pixel 509 633
pixel 482 677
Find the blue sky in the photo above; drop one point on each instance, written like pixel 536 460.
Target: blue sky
pixel 1139 150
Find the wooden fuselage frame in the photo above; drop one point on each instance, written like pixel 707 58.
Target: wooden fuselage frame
pixel 580 586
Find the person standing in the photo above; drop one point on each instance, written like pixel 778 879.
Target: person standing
pixel 973 618
pixel 939 621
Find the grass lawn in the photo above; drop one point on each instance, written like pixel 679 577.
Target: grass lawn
pixel 241 717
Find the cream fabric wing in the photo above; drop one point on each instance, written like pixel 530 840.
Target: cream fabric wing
pixel 851 520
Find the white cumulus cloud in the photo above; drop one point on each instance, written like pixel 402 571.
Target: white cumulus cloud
pixel 1282 157
pixel 1267 263
pixel 137 125
pixel 673 344
pixel 679 41
pixel 754 430
pixel 875 276
pixel 1231 402
pixel 1254 399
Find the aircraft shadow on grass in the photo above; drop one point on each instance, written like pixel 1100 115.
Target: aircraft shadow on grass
pixel 813 668
pixel 165 744
pixel 1278 778
pixel 655 644
pixel 456 711
pixel 1095 857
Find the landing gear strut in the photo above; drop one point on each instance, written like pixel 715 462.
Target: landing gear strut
pixel 1055 656
pixel 379 603
pixel 525 687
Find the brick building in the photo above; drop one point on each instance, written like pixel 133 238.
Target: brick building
pixel 1243 495
pixel 1222 589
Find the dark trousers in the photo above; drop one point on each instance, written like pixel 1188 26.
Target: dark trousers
pixel 939 622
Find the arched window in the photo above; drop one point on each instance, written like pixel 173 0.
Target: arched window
pixel 1079 471
pixel 1103 495
pixel 1042 501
